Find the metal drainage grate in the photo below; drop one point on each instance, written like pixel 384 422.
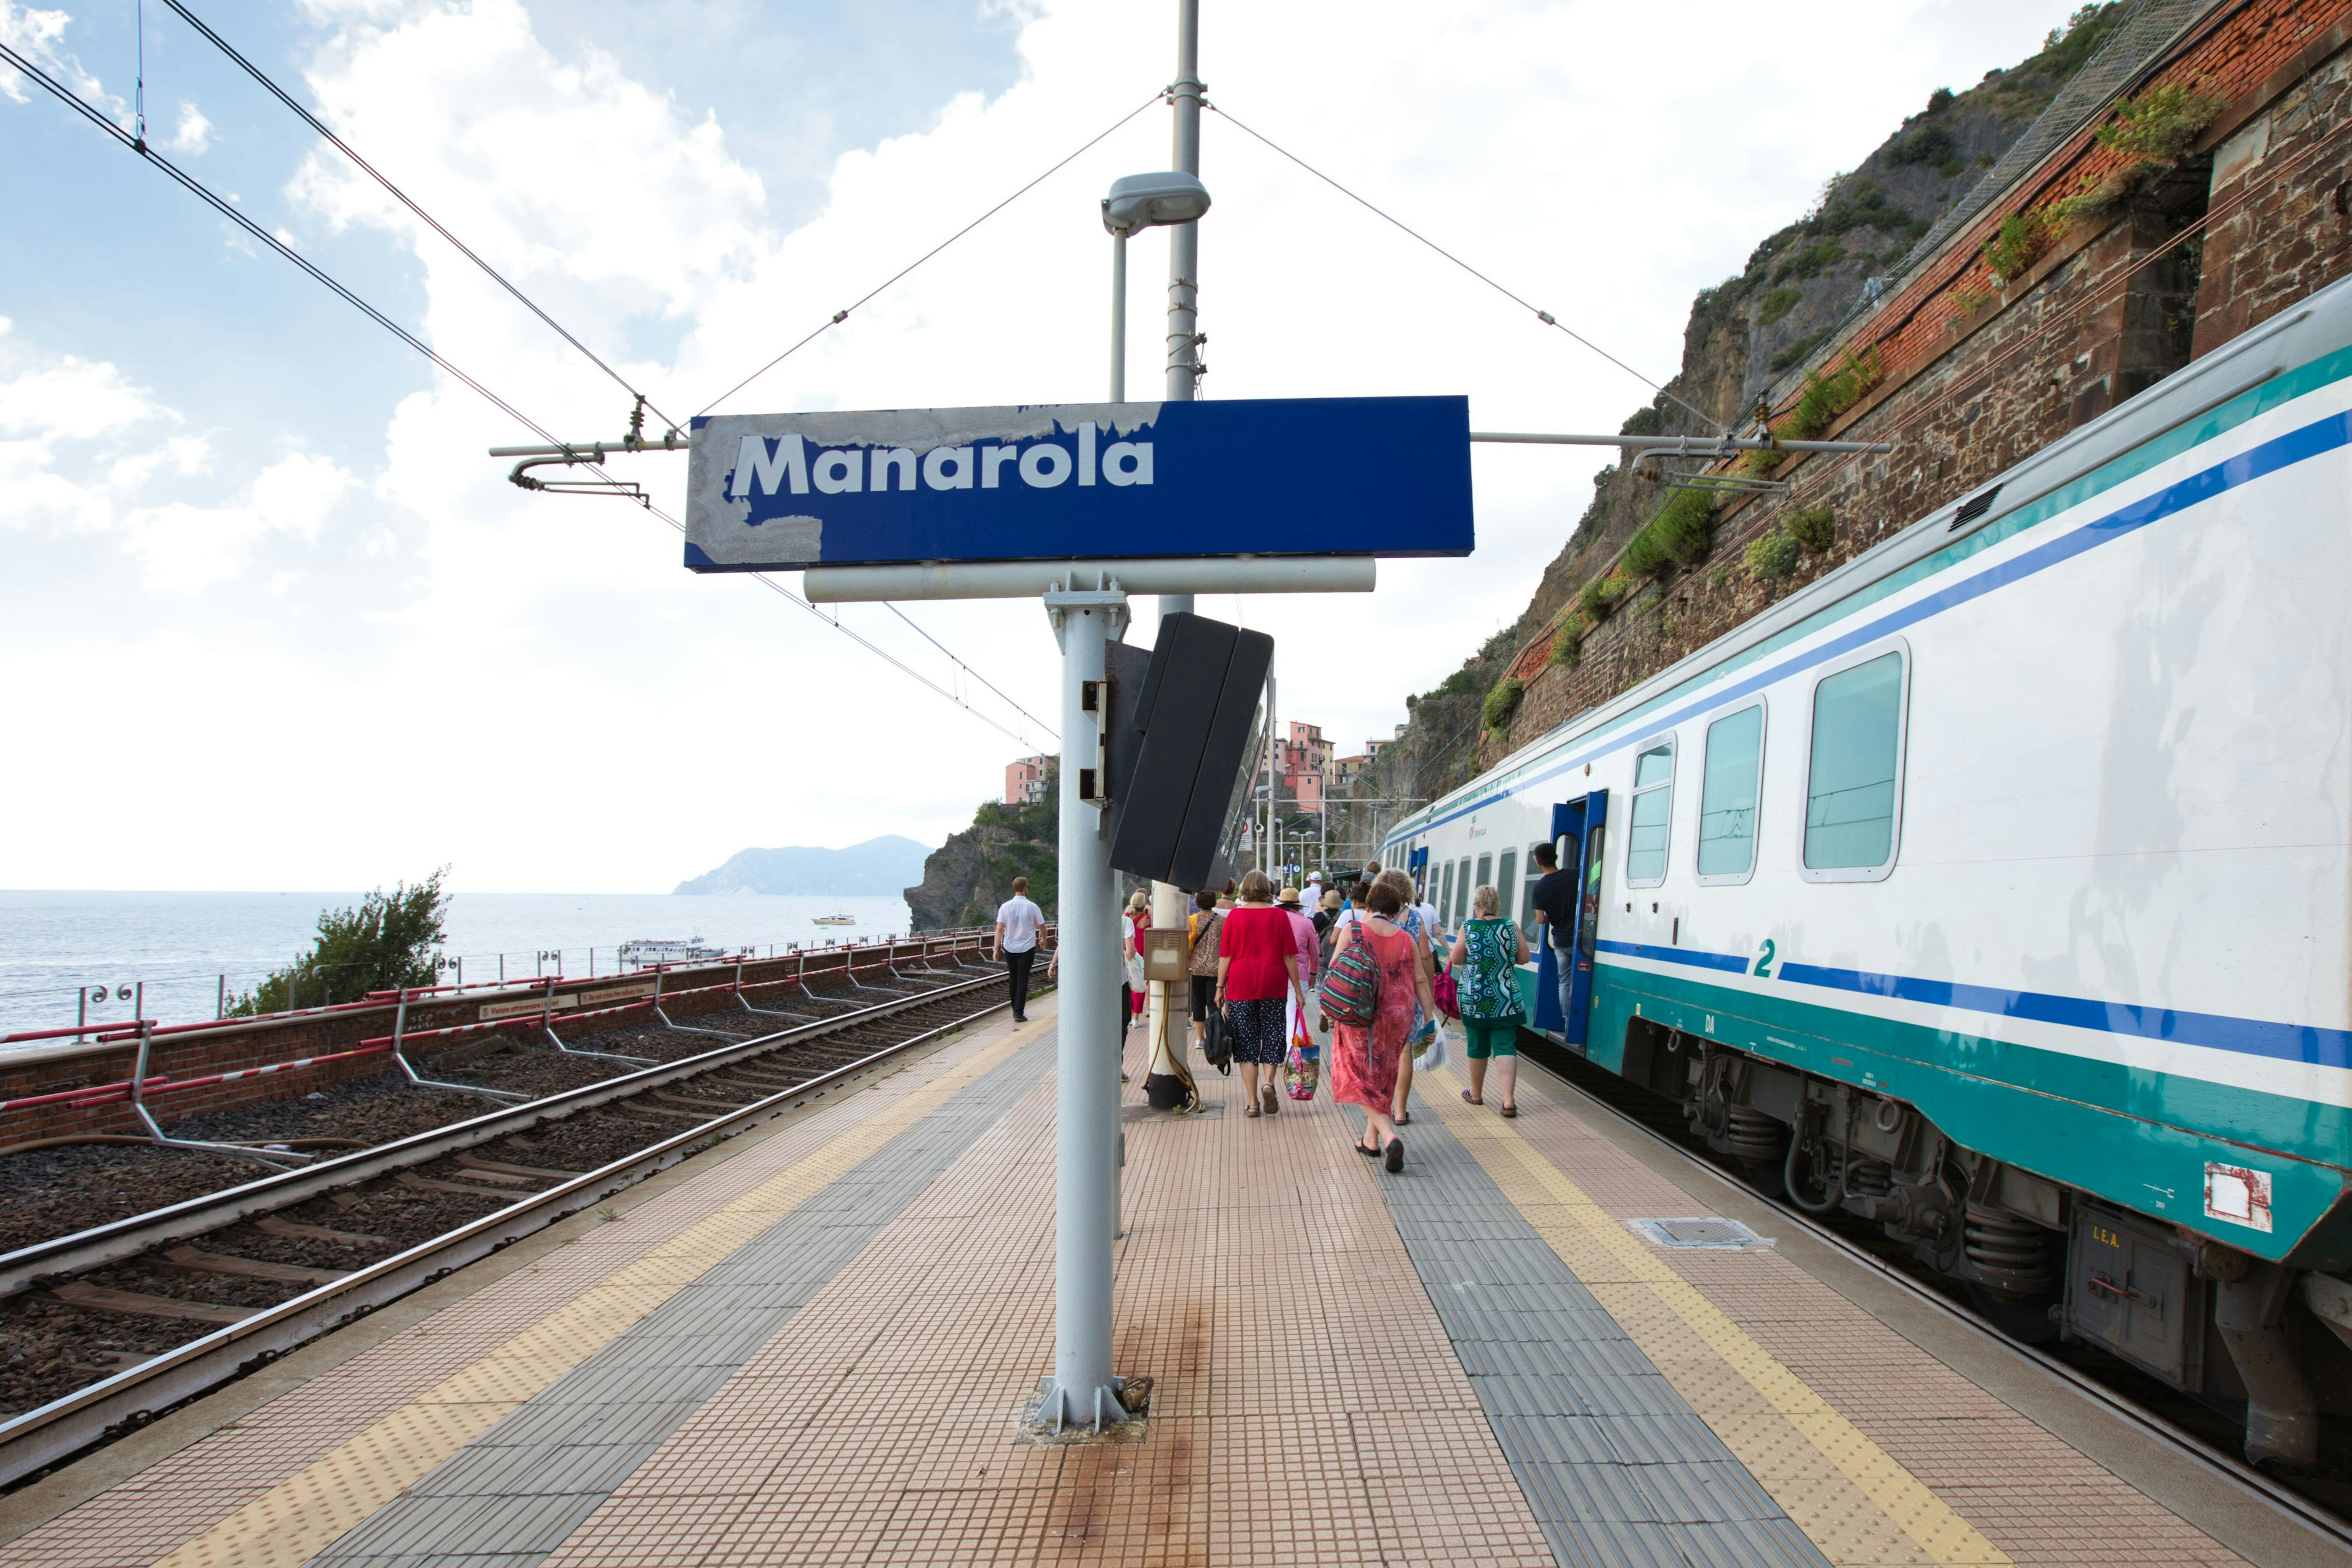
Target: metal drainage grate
pixel 1698 1232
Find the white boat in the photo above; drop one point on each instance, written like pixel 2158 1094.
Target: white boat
pixel 643 954
pixel 834 920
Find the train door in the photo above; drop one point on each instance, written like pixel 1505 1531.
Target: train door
pixel 1579 829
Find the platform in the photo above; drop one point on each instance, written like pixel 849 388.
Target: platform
pixel 813 1345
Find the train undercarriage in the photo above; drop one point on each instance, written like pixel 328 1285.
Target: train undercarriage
pixel 2040 1260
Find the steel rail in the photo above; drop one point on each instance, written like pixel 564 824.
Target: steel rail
pixel 53 1433
pixel 2282 1500
pixel 28 1266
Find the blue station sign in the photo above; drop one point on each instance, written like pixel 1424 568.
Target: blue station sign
pixel 1327 476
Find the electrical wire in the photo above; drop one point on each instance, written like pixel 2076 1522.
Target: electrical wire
pixel 969 671
pixel 345 148
pixel 230 210
pixel 840 316
pixel 1546 317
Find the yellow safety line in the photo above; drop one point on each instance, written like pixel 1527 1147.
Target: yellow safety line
pixel 1514 1163
pixel 317 1506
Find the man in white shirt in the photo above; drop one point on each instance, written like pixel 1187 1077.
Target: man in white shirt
pixel 1017 924
pixel 1428 912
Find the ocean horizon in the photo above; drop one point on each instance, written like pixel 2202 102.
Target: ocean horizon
pixel 59 946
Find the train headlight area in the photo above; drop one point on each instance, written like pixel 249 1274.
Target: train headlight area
pixel 1550 1339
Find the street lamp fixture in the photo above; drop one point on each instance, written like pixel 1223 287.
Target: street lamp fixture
pixel 1141 201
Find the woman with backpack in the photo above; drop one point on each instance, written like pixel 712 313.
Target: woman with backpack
pixel 1486 958
pixel 1424 1019
pixel 1379 973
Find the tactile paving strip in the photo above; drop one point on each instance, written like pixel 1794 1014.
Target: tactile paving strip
pixel 513 1494
pixel 1616 1466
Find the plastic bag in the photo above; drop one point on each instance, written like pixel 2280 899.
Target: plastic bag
pixel 1434 1057
pixel 1302 1068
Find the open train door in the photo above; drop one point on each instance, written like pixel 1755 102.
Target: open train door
pixel 1579 834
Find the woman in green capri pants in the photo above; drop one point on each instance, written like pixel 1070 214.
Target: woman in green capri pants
pixel 1486 958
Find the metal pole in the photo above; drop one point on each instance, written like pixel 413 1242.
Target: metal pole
pixel 1119 316
pixel 1168 904
pixel 1184 239
pixel 1084 1390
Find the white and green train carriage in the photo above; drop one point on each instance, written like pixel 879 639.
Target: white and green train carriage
pixel 1998 885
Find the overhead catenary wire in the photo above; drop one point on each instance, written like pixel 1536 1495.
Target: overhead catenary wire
pixel 1546 317
pixel 256 231
pixel 842 315
pixel 346 149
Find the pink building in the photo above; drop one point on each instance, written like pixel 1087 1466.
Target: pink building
pixel 1025 781
pixel 1305 764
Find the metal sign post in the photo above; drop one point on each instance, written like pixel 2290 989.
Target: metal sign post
pixel 1084 1390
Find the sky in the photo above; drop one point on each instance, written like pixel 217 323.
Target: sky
pixel 269 617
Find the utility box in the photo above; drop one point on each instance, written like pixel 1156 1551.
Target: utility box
pixel 2130 1288
pixel 1164 955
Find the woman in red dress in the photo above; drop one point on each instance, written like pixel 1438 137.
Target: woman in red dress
pixel 1364 1059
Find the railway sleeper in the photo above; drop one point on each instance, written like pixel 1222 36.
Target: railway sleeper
pixel 2040 1259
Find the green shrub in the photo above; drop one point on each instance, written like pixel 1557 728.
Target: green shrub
pixel 1928 143
pixel 386 941
pixel 1777 304
pixel 1939 100
pixel 2162 123
pixel 2021 239
pixel 1772 555
pixel 1567 644
pixel 1502 702
pixel 1645 553
pixel 1601 596
pixel 1685 528
pixel 1827 396
pixel 1813 528
pixel 1791 354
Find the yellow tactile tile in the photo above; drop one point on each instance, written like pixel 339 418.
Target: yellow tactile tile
pixel 1669 1319
pixel 310 1509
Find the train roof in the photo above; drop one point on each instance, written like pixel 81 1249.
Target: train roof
pixel 2316 326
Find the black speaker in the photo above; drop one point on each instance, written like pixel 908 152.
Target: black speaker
pixel 1199 696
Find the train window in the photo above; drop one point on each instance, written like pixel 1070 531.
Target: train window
pixel 1446 899
pixel 1728 792
pixel 1462 880
pixel 1506 875
pixel 1854 769
pixel 1646 824
pixel 1528 895
pixel 1486 874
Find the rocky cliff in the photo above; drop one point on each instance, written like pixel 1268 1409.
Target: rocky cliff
pixel 967 876
pixel 1745 334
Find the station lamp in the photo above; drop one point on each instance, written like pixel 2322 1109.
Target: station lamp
pixel 1141 201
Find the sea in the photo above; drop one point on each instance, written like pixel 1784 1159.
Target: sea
pixel 183 951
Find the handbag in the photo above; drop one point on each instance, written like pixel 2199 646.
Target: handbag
pixel 1350 991
pixel 1448 994
pixel 1214 1046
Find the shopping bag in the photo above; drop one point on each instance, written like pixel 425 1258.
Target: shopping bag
pixel 1302 1068
pixel 1447 996
pixel 1433 1057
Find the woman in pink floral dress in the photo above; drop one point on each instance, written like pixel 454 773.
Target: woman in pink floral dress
pixel 1364 1060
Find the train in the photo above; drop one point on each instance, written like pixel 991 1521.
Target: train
pixel 1994 887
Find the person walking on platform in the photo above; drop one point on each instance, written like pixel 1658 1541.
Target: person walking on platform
pixel 1018 922
pixel 1200 967
pixel 1364 1058
pixel 1132 925
pixel 1486 958
pixel 1424 1018
pixel 1257 967
pixel 1310 952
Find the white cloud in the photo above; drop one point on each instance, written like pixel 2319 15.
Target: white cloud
pixel 1557 145
pixel 39 37
pixel 193 133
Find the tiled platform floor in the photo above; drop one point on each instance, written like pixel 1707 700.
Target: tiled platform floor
pixel 1311 1405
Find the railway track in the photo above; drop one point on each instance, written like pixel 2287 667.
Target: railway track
pixel 239 1276
pixel 2108 1388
